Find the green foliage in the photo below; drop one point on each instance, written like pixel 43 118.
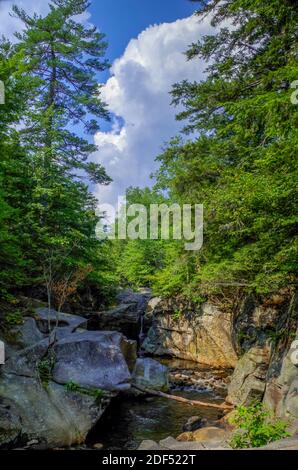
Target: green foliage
pixel 242 163
pixel 47 213
pixel 177 314
pixel 44 368
pixel 13 318
pixel 256 427
pixel 97 393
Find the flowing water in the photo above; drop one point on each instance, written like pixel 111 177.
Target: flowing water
pixel 128 421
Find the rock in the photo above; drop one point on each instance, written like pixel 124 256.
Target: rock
pixel 25 335
pixel 33 442
pixel 148 445
pixel 25 363
pixel 150 311
pixel 65 321
pixel 126 317
pixel 54 416
pixel 149 373
pixel 10 423
pixel 98 446
pixel 185 437
pixel 209 434
pixel 193 423
pixel 248 380
pixel 92 359
pixel 203 336
pixel 172 444
pixel 28 333
pixel 281 394
pixel 289 443
pixel 50 412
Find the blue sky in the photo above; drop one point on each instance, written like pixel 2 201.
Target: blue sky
pixel 147 40
pixel 122 20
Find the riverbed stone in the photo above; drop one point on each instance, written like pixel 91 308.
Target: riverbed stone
pixel 149 373
pixel 211 434
pixel 194 423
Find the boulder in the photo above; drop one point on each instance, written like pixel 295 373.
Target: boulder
pixel 48 319
pixel 53 415
pixel 248 381
pixel 125 317
pixel 194 423
pixel 10 423
pixel 50 411
pixel 203 336
pixel 21 336
pixel 209 434
pixel 149 373
pixel 92 359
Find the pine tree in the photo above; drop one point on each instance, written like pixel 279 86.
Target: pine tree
pixel 64 57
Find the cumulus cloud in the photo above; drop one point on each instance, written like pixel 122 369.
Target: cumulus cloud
pixel 137 94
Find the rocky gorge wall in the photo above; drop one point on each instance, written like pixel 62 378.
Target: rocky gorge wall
pixel 254 339
pixel 203 336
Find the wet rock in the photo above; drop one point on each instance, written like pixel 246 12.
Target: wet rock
pixel 194 423
pixel 149 373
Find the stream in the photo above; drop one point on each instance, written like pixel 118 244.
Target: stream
pixel 130 420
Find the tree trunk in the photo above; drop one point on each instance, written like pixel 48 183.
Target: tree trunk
pixel 222 406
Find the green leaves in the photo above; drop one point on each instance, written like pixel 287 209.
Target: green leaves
pixel 256 427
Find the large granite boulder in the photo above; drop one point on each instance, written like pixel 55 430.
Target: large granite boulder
pixel 149 373
pixel 92 359
pixel 55 392
pixel 203 335
pixel 52 415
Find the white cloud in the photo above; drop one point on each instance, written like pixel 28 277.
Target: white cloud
pixel 8 24
pixel 138 93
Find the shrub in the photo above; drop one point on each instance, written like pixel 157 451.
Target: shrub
pixel 256 427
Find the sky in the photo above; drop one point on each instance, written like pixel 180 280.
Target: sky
pixel 147 39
